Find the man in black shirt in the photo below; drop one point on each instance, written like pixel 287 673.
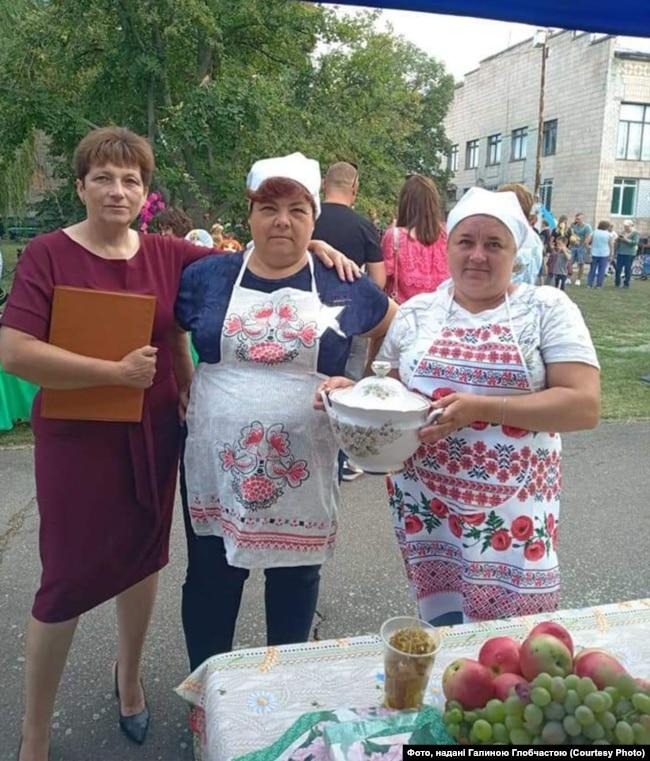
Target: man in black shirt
pixel 357 238
pixel 343 228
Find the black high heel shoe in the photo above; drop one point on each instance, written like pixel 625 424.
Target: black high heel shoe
pixel 134 727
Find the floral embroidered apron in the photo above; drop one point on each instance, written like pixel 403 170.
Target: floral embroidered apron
pixel 476 514
pixel 261 463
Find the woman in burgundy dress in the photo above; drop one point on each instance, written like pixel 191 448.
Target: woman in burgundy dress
pixel 105 491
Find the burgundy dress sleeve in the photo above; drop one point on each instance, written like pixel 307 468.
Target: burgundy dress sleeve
pixel 30 301
pixel 190 252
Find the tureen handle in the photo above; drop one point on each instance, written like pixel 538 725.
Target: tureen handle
pixel 380 368
pixel 434 416
pixel 327 402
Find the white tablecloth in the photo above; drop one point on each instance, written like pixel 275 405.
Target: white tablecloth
pixel 247 699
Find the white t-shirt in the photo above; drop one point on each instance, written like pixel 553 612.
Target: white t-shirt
pixel 549 328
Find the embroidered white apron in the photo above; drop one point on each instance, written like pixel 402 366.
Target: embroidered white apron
pixel 261 463
pixel 476 514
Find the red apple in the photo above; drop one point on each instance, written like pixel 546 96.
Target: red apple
pixel 544 653
pixel 468 682
pixel 500 655
pixel 556 630
pixel 505 683
pixel 599 666
pixel 643 685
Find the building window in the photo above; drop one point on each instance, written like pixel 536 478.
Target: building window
pixel 624 197
pixel 634 132
pixel 519 141
pixel 549 138
pixel 471 154
pixel 452 159
pixel 546 193
pixel 493 150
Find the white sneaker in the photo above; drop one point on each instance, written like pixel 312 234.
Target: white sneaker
pixel 577 282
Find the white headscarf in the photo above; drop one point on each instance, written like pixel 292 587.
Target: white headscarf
pixel 503 206
pixel 294 167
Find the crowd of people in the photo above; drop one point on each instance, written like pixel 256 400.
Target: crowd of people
pixel 452 304
pixel 568 248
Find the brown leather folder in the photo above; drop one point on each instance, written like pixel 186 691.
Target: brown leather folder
pixel 104 325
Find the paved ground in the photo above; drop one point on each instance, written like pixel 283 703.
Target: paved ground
pixel 604 545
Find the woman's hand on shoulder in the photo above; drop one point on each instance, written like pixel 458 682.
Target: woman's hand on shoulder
pixel 459 411
pixel 346 269
pixel 329 385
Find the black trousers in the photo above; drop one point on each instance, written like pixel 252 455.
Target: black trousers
pixel 213 590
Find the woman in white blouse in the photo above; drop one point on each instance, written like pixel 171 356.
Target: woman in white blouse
pixel 476 509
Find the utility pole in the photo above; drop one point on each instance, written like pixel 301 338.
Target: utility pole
pixel 540 119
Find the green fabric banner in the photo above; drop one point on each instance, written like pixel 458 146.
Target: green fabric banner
pixel 16 397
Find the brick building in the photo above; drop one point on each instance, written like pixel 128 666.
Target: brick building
pixel 596 133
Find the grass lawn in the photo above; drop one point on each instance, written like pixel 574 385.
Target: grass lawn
pixel 619 321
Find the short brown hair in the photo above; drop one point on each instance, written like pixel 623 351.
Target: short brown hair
pixel 604 225
pixel 418 208
pixel 524 196
pixel 278 187
pixel 176 219
pixel 342 175
pixel 114 145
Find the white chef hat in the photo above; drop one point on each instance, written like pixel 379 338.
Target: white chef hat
pixel 294 167
pixel 502 205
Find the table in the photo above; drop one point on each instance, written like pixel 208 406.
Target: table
pixel 16 397
pixel 246 700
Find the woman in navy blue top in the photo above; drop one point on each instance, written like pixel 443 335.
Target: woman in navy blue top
pixel 259 484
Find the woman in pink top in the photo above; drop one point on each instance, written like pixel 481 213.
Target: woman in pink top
pixel 415 249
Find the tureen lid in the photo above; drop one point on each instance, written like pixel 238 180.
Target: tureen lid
pixel 380 393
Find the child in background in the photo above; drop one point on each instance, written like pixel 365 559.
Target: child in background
pixel 562 262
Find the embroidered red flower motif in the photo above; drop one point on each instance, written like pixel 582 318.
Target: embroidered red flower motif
pixel 522 528
pixel 515 469
pixel 252 435
pixel 466 462
pixel 535 550
pixel 474 519
pixel 503 475
pixel 514 432
pixel 550 523
pixel 453 467
pixel 390 487
pixel 257 489
pixel 455 526
pixel 439 508
pixel 286 312
pixel 232 325
pixel 267 353
pixel 479 447
pixel 495 500
pixel 501 540
pixel 525 453
pixel 263 313
pixel 554 538
pixel 491 467
pixel 412 524
pixel 443 458
pixel 440 392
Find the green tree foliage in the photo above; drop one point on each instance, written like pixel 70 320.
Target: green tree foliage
pixel 216 84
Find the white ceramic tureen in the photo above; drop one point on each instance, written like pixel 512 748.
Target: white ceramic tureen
pixel 376 421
